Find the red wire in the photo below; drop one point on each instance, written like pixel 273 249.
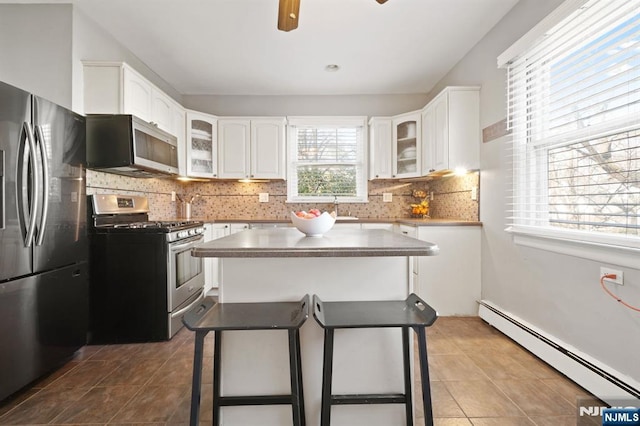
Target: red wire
pixel 613 295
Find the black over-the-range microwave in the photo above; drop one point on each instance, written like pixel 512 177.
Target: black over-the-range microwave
pixel 126 145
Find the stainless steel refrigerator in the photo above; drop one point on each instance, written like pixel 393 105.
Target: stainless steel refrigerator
pixel 43 241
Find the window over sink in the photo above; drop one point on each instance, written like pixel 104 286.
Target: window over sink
pixel 326 159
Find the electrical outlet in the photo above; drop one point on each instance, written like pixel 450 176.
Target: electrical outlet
pixel 263 197
pixel 387 197
pixel 474 193
pixel 608 271
pixel 431 196
pixel 173 195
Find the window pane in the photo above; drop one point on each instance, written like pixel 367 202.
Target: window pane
pixel 327 181
pixel 595 185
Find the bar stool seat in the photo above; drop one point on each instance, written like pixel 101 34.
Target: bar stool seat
pixel 218 317
pixel 412 313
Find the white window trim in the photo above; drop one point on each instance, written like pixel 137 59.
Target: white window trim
pixel 609 249
pixel 332 122
pixel 555 17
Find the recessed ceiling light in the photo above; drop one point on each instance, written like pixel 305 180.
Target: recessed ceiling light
pixel 331 68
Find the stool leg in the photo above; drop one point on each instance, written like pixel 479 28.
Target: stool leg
pixel 296 388
pixel 406 361
pixel 424 375
pixel 196 383
pixel 217 350
pixel 327 371
pixel 303 420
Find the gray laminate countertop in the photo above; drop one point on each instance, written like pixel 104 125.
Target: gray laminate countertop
pixel 289 242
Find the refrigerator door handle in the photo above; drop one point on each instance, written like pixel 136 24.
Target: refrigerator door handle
pixel 27 141
pixel 45 184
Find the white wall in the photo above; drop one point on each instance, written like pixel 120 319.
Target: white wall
pixel 559 294
pixel 42 47
pixel 35 49
pixel 91 42
pixel 378 105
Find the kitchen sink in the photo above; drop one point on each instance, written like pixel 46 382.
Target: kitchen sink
pixel 346 218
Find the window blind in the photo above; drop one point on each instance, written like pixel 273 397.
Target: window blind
pixel 326 161
pixel 574 113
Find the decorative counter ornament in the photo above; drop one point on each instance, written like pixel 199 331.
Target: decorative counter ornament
pixel 313 223
pixel 185 204
pixel 421 210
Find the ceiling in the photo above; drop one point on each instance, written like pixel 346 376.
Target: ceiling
pixel 233 47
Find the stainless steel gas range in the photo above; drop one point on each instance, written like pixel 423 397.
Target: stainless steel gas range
pixel 143 277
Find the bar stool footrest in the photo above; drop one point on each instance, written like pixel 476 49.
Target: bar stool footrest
pixel 233 401
pixel 374 398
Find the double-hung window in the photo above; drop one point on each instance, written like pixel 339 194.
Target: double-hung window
pixel 326 159
pixel 574 114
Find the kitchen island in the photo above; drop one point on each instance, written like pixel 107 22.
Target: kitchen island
pixel 281 264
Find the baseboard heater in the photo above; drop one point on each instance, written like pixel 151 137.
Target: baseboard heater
pixel 606 385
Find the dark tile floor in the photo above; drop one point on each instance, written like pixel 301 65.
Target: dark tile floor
pixel 478 377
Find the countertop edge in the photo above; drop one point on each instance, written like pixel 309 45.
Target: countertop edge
pixel 403 221
pixel 300 253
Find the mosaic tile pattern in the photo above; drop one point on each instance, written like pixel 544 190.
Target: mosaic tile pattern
pixel 236 200
pixel 452 197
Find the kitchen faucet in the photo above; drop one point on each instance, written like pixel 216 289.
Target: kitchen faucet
pixel 335 204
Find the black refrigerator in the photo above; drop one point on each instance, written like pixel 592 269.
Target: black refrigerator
pixel 43 240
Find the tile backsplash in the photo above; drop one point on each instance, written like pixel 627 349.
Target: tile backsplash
pixel 237 200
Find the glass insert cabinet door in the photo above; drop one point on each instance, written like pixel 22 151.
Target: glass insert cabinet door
pixel 406 145
pixel 202 146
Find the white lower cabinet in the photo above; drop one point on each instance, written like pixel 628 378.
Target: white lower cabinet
pixel 213 231
pixel 450 281
pixel 237 227
pixel 346 225
pixel 385 226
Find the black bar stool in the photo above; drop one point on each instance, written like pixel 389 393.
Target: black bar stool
pixel 210 316
pixel 410 313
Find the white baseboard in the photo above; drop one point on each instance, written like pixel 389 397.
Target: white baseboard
pixel 600 380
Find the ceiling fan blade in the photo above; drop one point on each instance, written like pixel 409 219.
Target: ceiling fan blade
pixel 288 15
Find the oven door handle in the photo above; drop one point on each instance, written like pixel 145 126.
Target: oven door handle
pixel 191 305
pixel 188 244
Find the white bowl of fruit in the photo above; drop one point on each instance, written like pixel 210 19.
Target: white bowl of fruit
pixel 313 223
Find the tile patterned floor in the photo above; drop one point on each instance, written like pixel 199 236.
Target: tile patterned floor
pixel 478 377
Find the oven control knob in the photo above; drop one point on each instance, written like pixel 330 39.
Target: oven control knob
pixel 183 234
pixel 192 232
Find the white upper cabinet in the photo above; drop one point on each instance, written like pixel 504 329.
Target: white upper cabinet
pixel 380 141
pixel 201 144
pixel 251 148
pixel 137 93
pixel 406 145
pixel 395 146
pixel 116 88
pixel 451 130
